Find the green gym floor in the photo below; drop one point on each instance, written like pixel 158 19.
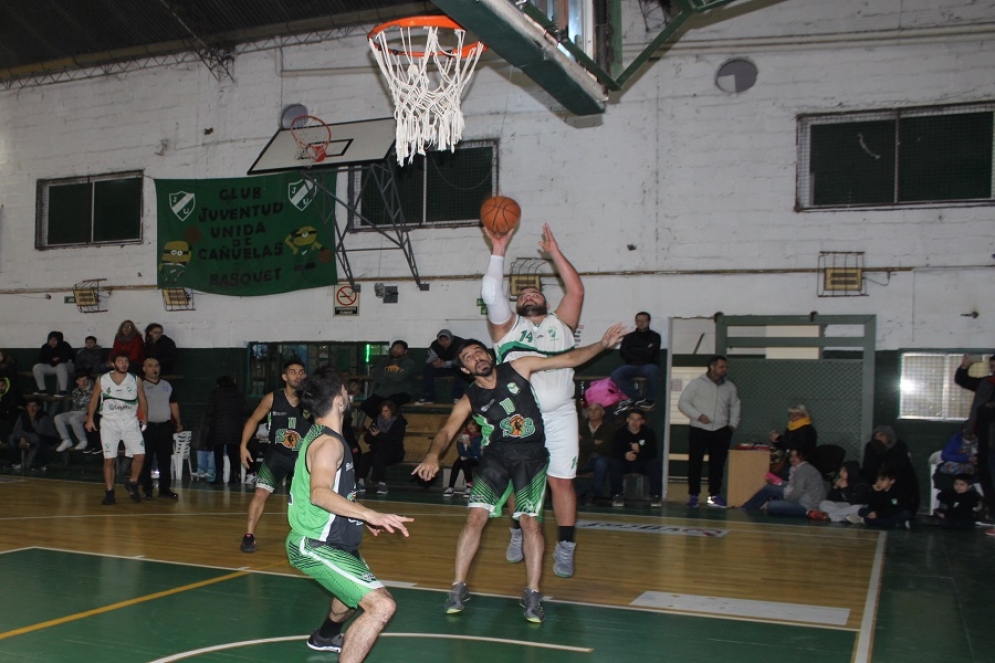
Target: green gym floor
pixel 927 598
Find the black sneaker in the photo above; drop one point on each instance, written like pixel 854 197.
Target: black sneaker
pixel 248 544
pixel 333 644
pixel 108 498
pixel 132 487
pixel 622 406
pixel 148 495
pixel 169 494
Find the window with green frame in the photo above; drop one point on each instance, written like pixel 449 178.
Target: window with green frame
pixel 919 156
pixel 440 188
pixel 83 211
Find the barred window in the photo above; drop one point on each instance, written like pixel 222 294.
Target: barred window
pixel 98 209
pixel 928 390
pixel 918 156
pixel 440 188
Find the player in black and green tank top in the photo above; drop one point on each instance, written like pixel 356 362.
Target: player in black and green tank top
pixel 327 525
pixel 514 458
pixel 288 423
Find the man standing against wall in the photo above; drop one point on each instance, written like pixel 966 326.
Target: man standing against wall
pixel 712 404
pixel 392 377
pixel 981 422
pixel 288 424
pixel 163 421
pixel 640 351
pixel 532 330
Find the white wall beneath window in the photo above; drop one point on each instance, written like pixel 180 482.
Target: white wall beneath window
pixel 678 200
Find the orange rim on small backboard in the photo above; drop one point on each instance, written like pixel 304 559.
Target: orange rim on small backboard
pixel 426 22
pixel 307 133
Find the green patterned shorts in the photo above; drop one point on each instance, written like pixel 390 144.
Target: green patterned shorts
pixel 507 468
pixel 342 573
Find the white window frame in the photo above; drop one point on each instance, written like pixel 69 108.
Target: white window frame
pixel 956 401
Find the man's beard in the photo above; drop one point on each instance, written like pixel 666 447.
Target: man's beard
pixel 533 309
pixel 485 372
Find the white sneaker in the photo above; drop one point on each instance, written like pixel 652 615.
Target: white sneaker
pixel 66 444
pixel 448 492
pixel 855 519
pixel 81 446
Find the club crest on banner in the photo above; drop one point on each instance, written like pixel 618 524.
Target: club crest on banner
pixel 182 204
pixel 301 193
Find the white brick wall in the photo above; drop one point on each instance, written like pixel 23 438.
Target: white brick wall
pixel 692 178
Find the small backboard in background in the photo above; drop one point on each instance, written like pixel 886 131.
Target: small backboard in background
pixel 352 143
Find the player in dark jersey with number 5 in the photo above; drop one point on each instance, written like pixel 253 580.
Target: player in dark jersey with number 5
pixel 514 459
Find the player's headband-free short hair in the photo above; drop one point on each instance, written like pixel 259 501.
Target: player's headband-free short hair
pixel 293 361
pixel 467 343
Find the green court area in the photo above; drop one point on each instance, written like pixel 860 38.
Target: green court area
pixel 72 607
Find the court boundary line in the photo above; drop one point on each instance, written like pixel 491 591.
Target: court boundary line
pixel 428 636
pixel 548 598
pixel 864 646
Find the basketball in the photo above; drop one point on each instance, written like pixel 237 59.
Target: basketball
pixel 500 215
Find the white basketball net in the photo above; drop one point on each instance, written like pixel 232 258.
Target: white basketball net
pixel 426 98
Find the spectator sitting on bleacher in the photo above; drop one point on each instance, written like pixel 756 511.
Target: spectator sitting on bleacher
pixel 8 367
pixel 803 492
pixel 89 359
pixel 847 496
pixel 640 350
pixel 597 435
pixel 33 433
pixel 441 362
pixel 76 416
pixel 128 342
pixel 385 438
pixel 11 400
pixel 468 448
pixel 959 505
pixel 634 451
pixel 392 379
pixel 161 347
pixel 54 358
pixel 960 456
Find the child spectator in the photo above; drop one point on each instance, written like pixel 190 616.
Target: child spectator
pixel 959 505
pixel 75 417
pixel 887 507
pixel 89 360
pixel 847 496
pixel 468 448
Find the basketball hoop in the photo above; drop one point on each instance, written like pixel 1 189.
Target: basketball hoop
pixel 312 136
pixel 426 98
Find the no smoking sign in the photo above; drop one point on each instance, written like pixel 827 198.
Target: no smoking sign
pixel 346 300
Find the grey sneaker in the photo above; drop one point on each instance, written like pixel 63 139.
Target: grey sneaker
pixel 514 552
pixel 618 500
pixel 563 558
pixel 532 602
pixel 458 595
pixel 381 488
pixel 855 519
pixel 333 644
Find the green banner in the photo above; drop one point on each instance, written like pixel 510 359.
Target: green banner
pixel 244 236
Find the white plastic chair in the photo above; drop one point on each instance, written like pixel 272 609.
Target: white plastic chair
pixel 181 452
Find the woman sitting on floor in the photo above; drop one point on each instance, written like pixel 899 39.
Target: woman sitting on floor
pixel 803 491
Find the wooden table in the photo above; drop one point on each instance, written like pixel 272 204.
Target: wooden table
pixel 746 474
